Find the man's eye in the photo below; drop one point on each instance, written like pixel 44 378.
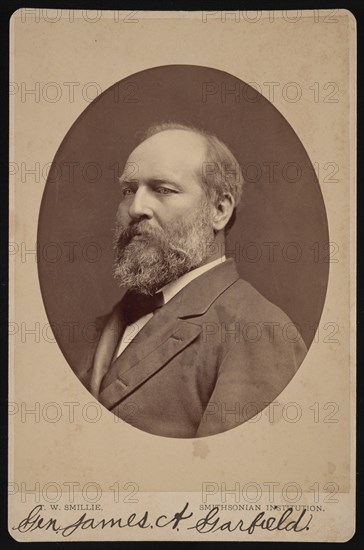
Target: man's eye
pixel 164 190
pixel 127 191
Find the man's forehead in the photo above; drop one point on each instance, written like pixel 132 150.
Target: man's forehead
pixel 171 150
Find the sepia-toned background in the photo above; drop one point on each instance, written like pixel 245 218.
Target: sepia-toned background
pixel 280 221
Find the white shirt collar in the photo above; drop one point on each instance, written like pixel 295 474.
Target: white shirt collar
pixel 171 289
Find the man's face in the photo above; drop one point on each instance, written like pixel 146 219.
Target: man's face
pixel 163 225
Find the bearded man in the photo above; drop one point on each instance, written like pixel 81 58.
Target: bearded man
pixel 175 357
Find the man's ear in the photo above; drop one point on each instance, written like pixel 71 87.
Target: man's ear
pixel 223 211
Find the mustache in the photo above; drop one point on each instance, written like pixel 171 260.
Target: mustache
pixel 123 235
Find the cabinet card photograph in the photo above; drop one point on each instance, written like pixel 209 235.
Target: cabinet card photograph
pixel 182 275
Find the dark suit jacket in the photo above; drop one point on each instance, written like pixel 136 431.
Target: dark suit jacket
pixel 211 358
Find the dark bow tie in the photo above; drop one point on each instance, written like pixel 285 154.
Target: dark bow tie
pixel 137 305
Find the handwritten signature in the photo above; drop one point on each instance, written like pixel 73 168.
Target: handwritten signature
pixel 210 523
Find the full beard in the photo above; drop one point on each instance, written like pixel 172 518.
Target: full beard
pixel 164 254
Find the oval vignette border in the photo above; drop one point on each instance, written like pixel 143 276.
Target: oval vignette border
pixel 279 239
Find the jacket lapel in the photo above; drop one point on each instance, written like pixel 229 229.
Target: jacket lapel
pixel 154 346
pixel 109 339
pixel 163 337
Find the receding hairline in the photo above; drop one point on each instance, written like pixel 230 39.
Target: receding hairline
pixel 204 141
pixel 216 154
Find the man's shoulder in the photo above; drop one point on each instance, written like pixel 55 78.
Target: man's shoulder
pixel 245 301
pixel 242 305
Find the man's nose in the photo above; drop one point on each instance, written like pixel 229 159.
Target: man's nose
pixel 140 205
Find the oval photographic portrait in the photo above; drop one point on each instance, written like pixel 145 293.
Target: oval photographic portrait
pixel 178 244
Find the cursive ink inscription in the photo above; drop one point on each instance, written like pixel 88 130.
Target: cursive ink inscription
pixel 35 521
pixel 210 523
